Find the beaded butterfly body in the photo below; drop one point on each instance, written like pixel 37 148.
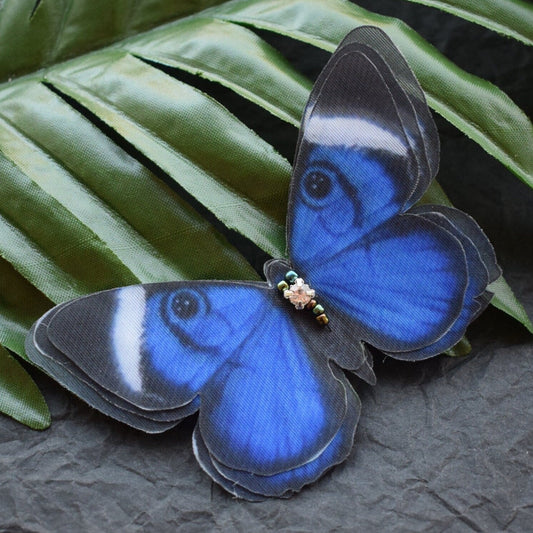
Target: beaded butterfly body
pixel 275 407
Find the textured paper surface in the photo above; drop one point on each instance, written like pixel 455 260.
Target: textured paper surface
pixel 441 444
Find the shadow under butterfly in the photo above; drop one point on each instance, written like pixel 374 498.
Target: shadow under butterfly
pixel 275 407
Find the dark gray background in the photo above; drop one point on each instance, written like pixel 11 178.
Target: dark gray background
pixel 442 445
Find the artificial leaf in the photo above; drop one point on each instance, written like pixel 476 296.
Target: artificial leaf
pixel 505 300
pixel 215 158
pixel 462 348
pixel 230 55
pixel 76 178
pixel 513 18
pixel 36 34
pixel 20 305
pixel 19 396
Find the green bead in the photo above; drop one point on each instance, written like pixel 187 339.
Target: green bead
pixel 283 286
pixel 318 309
pixel 291 275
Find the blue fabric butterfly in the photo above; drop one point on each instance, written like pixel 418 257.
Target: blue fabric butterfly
pixel 275 407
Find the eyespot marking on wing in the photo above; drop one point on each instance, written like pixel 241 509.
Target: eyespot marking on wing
pixel 189 316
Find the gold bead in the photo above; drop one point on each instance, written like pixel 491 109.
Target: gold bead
pixel 322 319
pixel 283 286
pixel 310 305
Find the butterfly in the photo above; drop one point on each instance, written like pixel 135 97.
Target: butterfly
pixel 367 267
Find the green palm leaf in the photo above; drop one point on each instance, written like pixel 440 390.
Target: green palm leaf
pixel 513 18
pixel 20 397
pixel 39 33
pixel 115 172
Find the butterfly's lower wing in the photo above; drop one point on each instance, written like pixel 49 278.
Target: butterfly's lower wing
pixel 465 227
pixel 403 285
pixel 274 383
pixel 482 270
pixel 412 286
pixel 147 355
pixel 284 484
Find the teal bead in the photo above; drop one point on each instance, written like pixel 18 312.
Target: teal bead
pixel 318 309
pixel 291 275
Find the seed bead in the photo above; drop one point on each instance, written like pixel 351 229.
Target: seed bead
pixel 310 305
pixel 283 286
pixel 291 275
pixel 322 319
pixel 318 309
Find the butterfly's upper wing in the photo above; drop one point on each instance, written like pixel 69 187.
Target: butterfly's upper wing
pixel 367 151
pixel 274 413
pixel 366 119
pixel 64 370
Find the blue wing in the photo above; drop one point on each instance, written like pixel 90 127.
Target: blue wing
pixel 367 151
pixel 285 483
pixel 273 406
pixel 482 270
pixel 404 283
pixel 269 402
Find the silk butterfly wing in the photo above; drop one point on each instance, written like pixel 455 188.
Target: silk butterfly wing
pixel 409 280
pixel 274 412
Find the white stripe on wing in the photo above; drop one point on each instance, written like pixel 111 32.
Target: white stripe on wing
pixel 352 132
pixel 127 333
